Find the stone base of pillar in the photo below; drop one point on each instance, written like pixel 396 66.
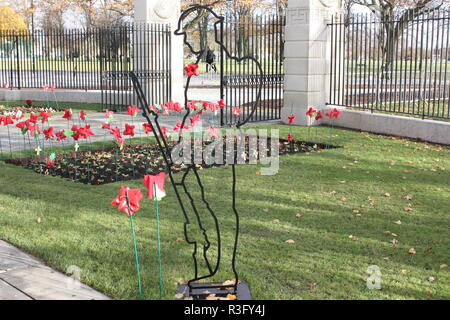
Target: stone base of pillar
pixel 307 62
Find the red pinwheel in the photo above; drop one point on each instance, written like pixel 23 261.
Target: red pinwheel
pixel 177 107
pixel 128 200
pixel 129 130
pixel 76 136
pixel 68 115
pixel 147 128
pixel 191 69
pixel 319 115
pixel 164 132
pixel 60 136
pixel 221 103
pixel 330 114
pixel 29 102
pixel 291 119
pixel 83 115
pixel 5 85
pixel 108 113
pixel 49 133
pixel 116 133
pixel 236 112
pixel 33 118
pixel 178 127
pixel 120 143
pixel 106 125
pixel 6 120
pixel 311 112
pixel 195 120
pixel 45 116
pixel 34 130
pixel 153 182
pixel 213 107
pixel 49 163
pixel 23 125
pixel 86 132
pixel 290 137
pixel 337 113
pixel 132 111
pixel 192 105
pixel 213 132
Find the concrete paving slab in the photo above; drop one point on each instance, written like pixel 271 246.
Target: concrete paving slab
pixel 23 276
pixel 8 292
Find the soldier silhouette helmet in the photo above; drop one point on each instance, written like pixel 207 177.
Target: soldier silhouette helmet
pixel 189 15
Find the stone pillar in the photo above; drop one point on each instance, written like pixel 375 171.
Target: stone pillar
pixel 307 56
pixel 165 11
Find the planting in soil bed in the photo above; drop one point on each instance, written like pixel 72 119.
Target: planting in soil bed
pixel 133 162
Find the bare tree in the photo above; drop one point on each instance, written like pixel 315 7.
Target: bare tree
pixel 395 16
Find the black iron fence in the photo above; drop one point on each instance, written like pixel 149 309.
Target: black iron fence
pixel 149 56
pixel 89 59
pixel 395 66
pixel 261 37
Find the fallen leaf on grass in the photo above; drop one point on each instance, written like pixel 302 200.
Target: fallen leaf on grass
pixel 405 271
pixel 409 197
pixel 38 220
pixel 409 209
pixel 443 266
pixel 398 222
pixel 312 285
pixel 387 259
pixel 276 221
pixel 290 241
pixel 298 215
pixel 394 241
pixel 429 250
pixel 180 240
pixel 431 279
pixel 387 194
pixel 412 251
pixel 266 210
pixel 429 293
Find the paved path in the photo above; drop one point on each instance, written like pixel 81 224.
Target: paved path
pixel 15 141
pixel 23 277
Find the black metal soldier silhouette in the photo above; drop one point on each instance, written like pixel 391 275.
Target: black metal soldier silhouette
pixel 180 188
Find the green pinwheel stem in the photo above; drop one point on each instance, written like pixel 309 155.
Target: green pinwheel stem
pixel 133 235
pixel 161 285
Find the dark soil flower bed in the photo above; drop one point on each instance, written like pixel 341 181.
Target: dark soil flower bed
pixel 133 162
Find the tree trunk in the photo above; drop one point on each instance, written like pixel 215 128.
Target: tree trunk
pixel 203 32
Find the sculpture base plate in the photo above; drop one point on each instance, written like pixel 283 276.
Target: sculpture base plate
pixel 243 291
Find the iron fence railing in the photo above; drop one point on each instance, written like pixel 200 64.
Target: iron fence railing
pixel 263 38
pixel 394 66
pixel 89 59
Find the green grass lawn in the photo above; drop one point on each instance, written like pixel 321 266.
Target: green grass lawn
pixel 349 200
